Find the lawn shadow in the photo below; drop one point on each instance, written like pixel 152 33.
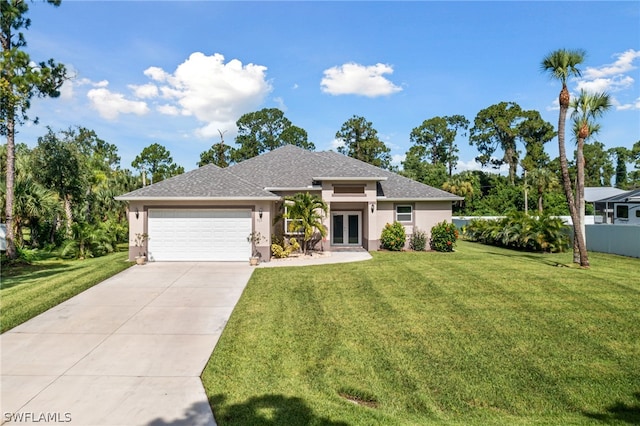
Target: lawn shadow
pixel 29 272
pixel 538 258
pixel 619 412
pixel 268 410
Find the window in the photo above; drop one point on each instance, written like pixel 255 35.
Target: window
pixel 622 212
pixel 638 213
pixel 288 224
pixel 404 213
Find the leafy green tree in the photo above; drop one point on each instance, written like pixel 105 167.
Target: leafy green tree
pixel 542 180
pixel 500 126
pixel 266 130
pixel 306 212
pixel 621 156
pixel 416 168
pixel 219 154
pixel 438 136
pixel 562 64
pixel 598 167
pixel 20 80
pixel 462 184
pixel 587 107
pixel 360 141
pixel 157 160
pixel 61 168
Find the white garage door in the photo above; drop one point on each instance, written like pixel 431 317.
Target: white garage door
pixel 198 234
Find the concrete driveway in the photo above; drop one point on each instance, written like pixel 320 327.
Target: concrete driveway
pixel 128 351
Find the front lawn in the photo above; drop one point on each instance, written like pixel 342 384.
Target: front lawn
pixel 29 290
pixel 480 336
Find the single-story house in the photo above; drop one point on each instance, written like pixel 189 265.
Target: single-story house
pixel 208 213
pixel 622 209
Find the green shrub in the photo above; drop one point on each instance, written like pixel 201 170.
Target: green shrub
pixel 418 240
pixel 393 236
pixel 520 231
pixel 443 237
pixel 282 248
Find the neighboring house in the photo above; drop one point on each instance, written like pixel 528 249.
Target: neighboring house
pixel 208 213
pixel 621 209
pixel 593 195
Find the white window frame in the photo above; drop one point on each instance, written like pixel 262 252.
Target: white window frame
pixel 399 214
pixel 286 225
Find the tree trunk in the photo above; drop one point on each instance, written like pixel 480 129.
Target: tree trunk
pixel 566 181
pixel 68 213
pixel 580 204
pixel 11 161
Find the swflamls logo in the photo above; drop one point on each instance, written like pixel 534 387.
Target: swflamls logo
pixel 44 417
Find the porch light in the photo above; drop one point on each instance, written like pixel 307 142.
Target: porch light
pixel 137 213
pixel 373 207
pixel 260 212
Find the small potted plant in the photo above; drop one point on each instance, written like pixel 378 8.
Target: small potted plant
pixel 255 238
pixel 140 242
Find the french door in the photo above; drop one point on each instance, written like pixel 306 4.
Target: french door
pixel 346 229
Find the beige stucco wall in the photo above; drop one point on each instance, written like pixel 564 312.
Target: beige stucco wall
pixel 426 214
pixel 261 225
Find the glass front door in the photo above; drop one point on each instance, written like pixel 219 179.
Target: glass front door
pixel 345 228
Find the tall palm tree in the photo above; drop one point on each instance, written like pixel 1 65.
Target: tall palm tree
pixel 562 64
pixel 587 107
pixel 306 212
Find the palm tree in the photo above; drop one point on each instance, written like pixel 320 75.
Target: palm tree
pixel 306 213
pixel 587 107
pixel 461 185
pixel 542 180
pixel 562 64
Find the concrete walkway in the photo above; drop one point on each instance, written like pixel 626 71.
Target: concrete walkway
pixel 128 351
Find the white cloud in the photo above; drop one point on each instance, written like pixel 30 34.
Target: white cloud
pixel 474 165
pixel 397 159
pixel 624 107
pixel 110 105
pixel 214 92
pixel 145 91
pixel 613 84
pixel 622 65
pixel 168 109
pixel 356 79
pixel 336 143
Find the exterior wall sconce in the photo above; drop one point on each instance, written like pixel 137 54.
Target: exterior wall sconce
pixel 260 212
pixel 373 207
pixel 137 213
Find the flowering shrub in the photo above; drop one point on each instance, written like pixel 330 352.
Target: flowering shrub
pixel 393 236
pixel 443 237
pixel 418 240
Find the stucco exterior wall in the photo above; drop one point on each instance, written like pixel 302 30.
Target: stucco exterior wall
pixel 426 214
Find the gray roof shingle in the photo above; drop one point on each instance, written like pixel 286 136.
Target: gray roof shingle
pixel 286 167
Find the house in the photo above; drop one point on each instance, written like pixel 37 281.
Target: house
pixel 621 209
pixel 208 213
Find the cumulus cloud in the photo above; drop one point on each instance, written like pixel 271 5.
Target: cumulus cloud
pixel 215 92
pixel 110 104
pixel 145 91
pixel 612 78
pixel 475 165
pixel 356 79
pixel 336 143
pixel 397 159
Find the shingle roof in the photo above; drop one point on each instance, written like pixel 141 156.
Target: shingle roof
pixel 286 167
pixel 624 197
pixel 209 182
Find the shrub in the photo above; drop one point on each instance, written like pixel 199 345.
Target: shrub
pixel 418 240
pixel 393 236
pixel 281 248
pixel 443 237
pixel 520 231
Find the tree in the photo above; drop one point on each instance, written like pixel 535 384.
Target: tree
pixel 416 168
pixel 306 212
pixel 20 80
pixel 157 160
pixel 587 107
pixel 500 126
pixel 266 130
pixel 543 180
pixel 462 184
pixel 621 155
pixel 360 141
pixel 219 154
pixel 438 136
pixel 562 64
pixel 598 167
pixel 61 168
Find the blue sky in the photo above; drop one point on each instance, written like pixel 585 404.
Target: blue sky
pixel 176 72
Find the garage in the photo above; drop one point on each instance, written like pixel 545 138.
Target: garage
pixel 199 235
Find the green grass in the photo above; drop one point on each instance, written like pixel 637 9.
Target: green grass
pixel 480 336
pixel 29 290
